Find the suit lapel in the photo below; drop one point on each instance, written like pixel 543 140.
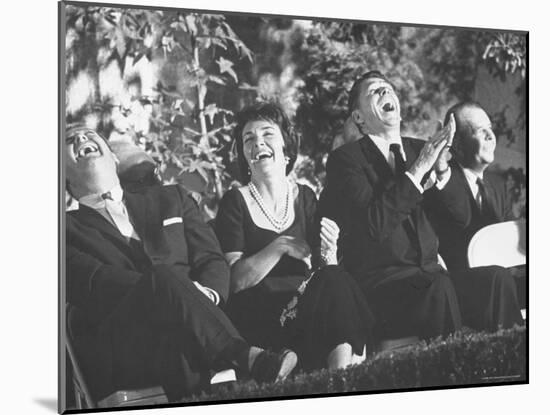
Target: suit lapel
pixel 375 158
pixel 136 204
pixel 95 220
pixel 491 200
pixel 410 153
pixel 465 186
pixel 147 219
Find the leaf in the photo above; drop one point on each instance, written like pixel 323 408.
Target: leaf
pixel 120 43
pixel 226 66
pixel 191 25
pixel 207 165
pixel 171 94
pixel 210 111
pixel 218 42
pixel 205 42
pixel 137 57
pixel 110 19
pixel 247 87
pixel 216 79
pixel 203 173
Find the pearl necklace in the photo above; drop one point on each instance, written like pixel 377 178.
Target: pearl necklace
pixel 278 224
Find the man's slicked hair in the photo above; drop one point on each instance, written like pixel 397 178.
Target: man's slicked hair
pixel 461 128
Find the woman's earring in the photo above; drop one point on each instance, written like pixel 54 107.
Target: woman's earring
pixel 287 159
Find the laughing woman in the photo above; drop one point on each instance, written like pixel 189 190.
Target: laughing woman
pixel 273 240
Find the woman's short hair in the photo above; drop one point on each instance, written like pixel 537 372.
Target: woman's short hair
pixel 272 112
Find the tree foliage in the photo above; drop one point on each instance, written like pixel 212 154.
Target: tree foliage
pixel 193 55
pixel 201 68
pixel 430 69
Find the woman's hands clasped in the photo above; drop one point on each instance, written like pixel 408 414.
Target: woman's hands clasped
pixel 329 241
pixel 299 249
pixel 294 247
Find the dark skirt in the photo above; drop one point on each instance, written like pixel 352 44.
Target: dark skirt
pixel 332 310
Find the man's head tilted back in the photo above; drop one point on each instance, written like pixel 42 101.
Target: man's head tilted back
pixel 90 165
pixel 474 142
pixel 374 105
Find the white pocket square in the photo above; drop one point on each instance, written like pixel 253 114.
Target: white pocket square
pixel 171 221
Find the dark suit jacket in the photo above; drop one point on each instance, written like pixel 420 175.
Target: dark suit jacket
pixel 456 216
pixel 102 266
pixel 385 234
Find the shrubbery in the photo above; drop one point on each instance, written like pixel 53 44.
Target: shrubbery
pixel 461 359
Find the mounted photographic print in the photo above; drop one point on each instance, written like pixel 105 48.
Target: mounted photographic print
pixel 257 207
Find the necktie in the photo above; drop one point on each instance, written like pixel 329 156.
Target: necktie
pixel 482 198
pixel 399 163
pixel 118 213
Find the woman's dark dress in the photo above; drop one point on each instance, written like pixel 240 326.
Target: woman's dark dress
pixel 332 309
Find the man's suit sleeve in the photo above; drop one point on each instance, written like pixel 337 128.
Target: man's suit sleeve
pixel 208 265
pixel 91 282
pixel 384 205
pixel 450 205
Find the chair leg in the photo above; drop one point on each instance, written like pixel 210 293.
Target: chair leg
pixel 78 398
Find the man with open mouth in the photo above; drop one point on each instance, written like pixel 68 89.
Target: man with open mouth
pixel 144 278
pixel 375 191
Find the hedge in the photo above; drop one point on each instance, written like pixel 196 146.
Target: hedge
pixel 460 359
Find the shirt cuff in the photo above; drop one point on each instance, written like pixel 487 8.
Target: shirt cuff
pixel 209 292
pixel 441 181
pixel 415 182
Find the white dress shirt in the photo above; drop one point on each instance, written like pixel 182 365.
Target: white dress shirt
pixel 113 209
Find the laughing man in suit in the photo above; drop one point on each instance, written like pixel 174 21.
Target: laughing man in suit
pixel 375 191
pixel 144 275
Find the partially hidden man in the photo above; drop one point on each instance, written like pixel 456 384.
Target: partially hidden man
pixel 470 196
pixel 375 191
pixel 145 276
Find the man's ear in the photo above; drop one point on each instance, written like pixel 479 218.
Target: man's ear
pixel 357 118
pixel 457 148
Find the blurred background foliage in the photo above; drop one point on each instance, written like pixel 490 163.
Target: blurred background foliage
pixel 168 83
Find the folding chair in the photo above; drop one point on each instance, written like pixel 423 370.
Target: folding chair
pixel 501 244
pixel 131 397
pixel 84 400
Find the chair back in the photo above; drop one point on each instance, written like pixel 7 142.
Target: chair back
pixel 501 244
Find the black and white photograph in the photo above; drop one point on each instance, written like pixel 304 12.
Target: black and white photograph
pixel 256 207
